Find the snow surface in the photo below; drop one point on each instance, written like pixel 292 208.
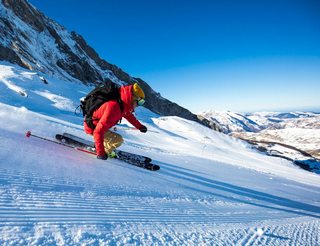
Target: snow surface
pixel 211 189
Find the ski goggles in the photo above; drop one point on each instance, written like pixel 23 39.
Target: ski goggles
pixel 140 101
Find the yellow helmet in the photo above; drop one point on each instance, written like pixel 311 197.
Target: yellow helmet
pixel 137 91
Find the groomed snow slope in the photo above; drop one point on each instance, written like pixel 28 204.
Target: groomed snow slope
pixel 211 189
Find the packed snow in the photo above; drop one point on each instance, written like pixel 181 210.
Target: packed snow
pixel 212 189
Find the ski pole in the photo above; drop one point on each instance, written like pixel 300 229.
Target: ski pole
pixel 124 129
pixel 129 129
pixel 29 134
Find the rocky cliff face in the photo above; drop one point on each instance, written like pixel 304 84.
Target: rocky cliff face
pixel 32 40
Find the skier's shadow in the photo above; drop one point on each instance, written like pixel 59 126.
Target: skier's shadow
pixel 277 237
pixel 287 205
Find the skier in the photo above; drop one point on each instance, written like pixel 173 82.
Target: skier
pixel 109 114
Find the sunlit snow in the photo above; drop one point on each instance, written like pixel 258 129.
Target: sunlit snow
pixel 212 189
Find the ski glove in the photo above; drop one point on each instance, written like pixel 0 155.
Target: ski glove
pixel 143 129
pixel 102 157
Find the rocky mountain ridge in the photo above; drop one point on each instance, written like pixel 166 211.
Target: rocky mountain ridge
pixel 33 41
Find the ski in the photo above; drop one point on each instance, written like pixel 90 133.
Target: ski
pixel 133 159
pixel 82 143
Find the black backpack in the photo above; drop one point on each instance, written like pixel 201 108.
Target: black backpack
pixel 97 97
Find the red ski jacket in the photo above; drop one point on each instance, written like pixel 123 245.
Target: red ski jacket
pixel 109 114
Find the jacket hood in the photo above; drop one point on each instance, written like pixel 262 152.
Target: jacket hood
pixel 126 97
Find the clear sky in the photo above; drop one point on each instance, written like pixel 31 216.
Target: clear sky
pixel 247 55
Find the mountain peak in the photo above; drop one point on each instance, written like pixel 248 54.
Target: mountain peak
pixel 38 43
pixel 26 13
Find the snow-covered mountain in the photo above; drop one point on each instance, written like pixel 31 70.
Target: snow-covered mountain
pixel 31 40
pixel 293 135
pixel 212 189
pixel 230 122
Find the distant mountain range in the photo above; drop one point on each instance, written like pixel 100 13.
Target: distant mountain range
pixel 31 40
pixel 293 135
pixel 230 122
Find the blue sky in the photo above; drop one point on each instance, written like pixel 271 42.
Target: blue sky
pixel 235 55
